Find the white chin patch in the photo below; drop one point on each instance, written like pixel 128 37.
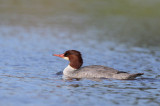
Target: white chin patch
pixel 66 58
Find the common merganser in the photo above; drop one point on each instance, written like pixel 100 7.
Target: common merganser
pixel 74 70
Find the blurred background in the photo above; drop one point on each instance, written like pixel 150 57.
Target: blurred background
pixel 122 34
pixel 127 21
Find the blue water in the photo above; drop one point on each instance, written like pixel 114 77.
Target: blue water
pixel 28 71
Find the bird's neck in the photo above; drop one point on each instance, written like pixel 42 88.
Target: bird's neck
pixel 75 61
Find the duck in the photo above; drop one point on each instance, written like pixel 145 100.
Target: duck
pixel 75 71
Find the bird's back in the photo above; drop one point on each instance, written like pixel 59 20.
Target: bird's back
pixel 98 71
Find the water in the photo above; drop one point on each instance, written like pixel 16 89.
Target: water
pixel 106 32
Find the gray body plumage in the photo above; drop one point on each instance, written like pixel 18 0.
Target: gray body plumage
pixel 97 71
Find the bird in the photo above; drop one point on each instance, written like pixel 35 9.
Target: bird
pixel 75 71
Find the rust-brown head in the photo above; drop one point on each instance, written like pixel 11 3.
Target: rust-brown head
pixel 73 56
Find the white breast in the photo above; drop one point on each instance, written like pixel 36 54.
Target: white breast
pixel 68 70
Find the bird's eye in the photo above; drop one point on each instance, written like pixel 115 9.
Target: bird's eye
pixel 66 54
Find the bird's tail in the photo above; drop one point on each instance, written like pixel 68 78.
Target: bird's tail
pixel 132 76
